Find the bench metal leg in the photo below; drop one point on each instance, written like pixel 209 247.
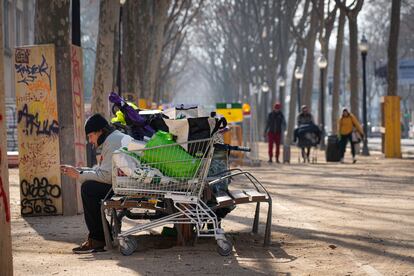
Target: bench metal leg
pixel 107 234
pixel 256 218
pixel 268 230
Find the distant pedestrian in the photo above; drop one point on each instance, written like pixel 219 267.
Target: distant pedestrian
pixel 275 126
pixel 346 125
pixel 304 120
pixel 304 117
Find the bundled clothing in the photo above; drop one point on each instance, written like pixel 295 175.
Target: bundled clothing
pixel 307 133
pixel 275 125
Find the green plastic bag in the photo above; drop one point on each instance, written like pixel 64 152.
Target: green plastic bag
pixel 172 161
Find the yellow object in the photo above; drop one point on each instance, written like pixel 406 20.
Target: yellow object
pixel 346 124
pixel 392 124
pixel 246 108
pixel 119 116
pixel 38 130
pixel 153 201
pixel 143 103
pixel 232 115
pixel 134 106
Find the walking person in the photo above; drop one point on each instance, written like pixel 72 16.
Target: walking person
pixel 304 119
pixel 346 125
pixel 275 126
pixel 96 181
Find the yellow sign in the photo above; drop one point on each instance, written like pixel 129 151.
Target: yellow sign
pixel 233 112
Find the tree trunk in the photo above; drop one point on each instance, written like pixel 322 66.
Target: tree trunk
pixel 293 96
pixel 392 68
pixel 52 26
pixel 130 51
pixel 106 57
pixel 284 48
pixel 337 71
pixel 160 10
pixel 353 64
pixel 6 259
pixel 144 39
pixel 307 90
pixel 352 15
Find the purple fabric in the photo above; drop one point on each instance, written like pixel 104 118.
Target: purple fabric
pixel 130 112
pixel 114 98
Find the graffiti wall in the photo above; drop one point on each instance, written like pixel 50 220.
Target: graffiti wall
pixel 78 113
pixel 38 130
pixel 4 202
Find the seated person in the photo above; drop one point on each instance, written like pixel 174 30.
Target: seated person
pixel 96 181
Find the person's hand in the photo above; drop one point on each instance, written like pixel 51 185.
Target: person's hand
pixel 70 171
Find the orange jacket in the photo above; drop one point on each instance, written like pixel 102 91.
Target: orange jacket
pixel 346 125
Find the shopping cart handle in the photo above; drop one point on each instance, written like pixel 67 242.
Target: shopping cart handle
pixel 229 147
pixel 242 149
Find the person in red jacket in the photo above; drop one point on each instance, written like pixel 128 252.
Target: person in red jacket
pixel 275 125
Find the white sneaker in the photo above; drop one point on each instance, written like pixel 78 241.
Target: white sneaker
pixel 354 160
pixel 342 160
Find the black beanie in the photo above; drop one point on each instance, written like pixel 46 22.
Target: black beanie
pixel 94 123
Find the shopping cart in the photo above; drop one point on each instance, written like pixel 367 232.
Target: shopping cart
pixel 308 138
pixel 169 182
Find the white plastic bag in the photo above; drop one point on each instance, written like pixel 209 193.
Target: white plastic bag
pixel 127 164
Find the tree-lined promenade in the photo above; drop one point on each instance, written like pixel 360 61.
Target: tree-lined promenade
pixel 319 55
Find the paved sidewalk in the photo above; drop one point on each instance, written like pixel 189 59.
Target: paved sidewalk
pixel 328 219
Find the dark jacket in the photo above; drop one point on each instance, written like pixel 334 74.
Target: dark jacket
pixel 275 122
pixel 304 119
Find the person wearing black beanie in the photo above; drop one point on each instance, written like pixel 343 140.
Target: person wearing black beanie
pixel 95 123
pixel 96 181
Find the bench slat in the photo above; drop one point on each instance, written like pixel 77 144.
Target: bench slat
pixel 255 195
pixel 224 200
pixel 239 196
pixel 117 204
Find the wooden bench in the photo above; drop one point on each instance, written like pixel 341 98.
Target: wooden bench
pixel 256 194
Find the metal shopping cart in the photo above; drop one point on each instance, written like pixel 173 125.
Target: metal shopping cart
pixel 169 181
pixel 308 137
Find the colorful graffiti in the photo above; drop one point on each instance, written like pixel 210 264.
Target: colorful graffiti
pixel 78 106
pixel 78 114
pixel 38 130
pixel 3 195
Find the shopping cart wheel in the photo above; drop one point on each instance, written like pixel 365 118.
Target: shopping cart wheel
pixel 127 246
pixel 224 247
